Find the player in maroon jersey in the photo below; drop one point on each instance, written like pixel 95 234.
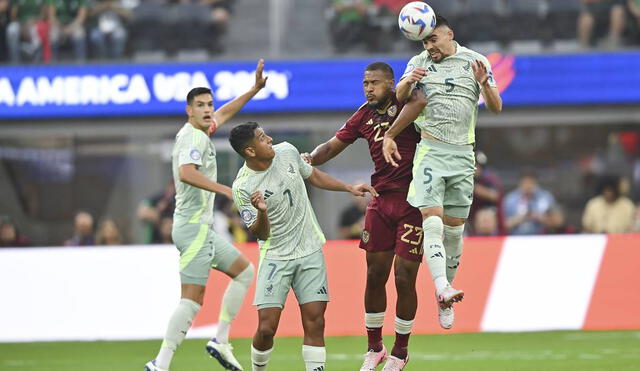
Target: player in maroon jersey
pixel 393 228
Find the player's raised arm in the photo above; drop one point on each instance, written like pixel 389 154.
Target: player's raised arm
pixel 407 115
pixel 323 180
pixel 189 174
pixel 226 112
pixel 261 228
pixel 406 84
pixel 325 151
pixel 490 92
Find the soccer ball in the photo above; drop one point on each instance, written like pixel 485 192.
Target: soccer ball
pixel 416 20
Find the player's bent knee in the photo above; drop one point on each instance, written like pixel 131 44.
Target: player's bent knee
pixel 432 211
pixel 433 227
pixel 245 278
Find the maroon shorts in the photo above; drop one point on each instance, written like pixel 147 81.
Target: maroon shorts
pixel 392 224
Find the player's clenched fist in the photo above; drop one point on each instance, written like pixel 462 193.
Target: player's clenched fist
pixel 416 75
pixel 257 200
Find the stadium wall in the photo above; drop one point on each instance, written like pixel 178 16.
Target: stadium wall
pixel 511 284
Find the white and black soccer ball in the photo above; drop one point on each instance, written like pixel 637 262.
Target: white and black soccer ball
pixel 416 20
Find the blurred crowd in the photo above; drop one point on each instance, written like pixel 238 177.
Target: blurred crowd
pixel 593 23
pixel 36 31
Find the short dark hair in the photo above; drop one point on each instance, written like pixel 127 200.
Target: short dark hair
pixel 528 172
pixel 241 135
pixel 611 182
pixel 193 93
pixel 381 66
pixel 442 21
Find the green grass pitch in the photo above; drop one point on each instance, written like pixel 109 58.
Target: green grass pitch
pixel 535 351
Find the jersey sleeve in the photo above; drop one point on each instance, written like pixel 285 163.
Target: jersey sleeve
pixel 303 167
pixel 349 132
pixel 242 199
pixel 411 65
pixel 192 148
pixel 492 80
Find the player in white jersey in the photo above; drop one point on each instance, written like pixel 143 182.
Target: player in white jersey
pixel 272 199
pixel 453 78
pixel 201 249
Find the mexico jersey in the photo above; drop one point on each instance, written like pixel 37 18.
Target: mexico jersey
pixel 452 95
pixel 295 232
pixel 193 205
pixel 371 124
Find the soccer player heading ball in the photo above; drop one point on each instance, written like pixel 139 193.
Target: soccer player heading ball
pixel 453 78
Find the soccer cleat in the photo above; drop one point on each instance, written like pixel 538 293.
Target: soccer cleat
pixel 151 366
pixel 447 296
pixel 373 359
pixel 395 363
pixel 224 354
pixel 446 316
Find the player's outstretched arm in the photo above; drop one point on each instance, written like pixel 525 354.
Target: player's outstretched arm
pixel 407 115
pixel 325 152
pixel 190 175
pixel 491 95
pixel 405 86
pixel 323 180
pixel 226 112
pixel 261 228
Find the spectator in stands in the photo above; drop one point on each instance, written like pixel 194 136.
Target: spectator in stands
pixel 525 207
pixel 5 18
pixel 83 234
pixel 164 230
pixel 555 222
pixel 108 233
pixel 485 222
pixel 67 18
pixel 609 211
pixel 27 29
pixel 154 209
pixel 220 17
pixel 636 220
pixel 350 23
pixel 9 234
pixel 109 27
pixel 596 12
pixel 487 193
pixel 352 219
pixel 634 9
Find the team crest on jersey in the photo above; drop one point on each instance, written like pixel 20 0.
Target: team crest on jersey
pixel 365 236
pixel 195 155
pixel 391 111
pixel 246 215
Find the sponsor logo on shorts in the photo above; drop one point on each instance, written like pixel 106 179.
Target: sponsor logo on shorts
pixel 392 110
pixel 246 215
pixel 195 155
pixel 268 291
pixel 365 236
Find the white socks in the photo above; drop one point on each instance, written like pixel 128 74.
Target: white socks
pixel 179 324
pixel 453 246
pixel 232 301
pixel 259 358
pixel 374 320
pixel 314 357
pixel 434 251
pixel 403 326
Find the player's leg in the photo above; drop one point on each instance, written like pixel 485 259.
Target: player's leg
pixel 272 286
pixel 262 344
pixel 408 250
pixel 195 243
pixel 313 349
pixel 457 203
pixel 311 289
pixel 375 240
pixel 427 192
pixel 228 260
